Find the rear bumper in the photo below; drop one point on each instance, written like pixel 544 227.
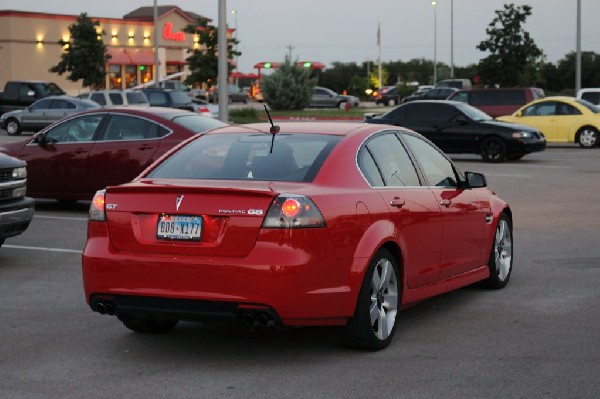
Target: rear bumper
pixel 300 285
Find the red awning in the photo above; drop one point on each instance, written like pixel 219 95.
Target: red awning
pixel 121 56
pixel 261 65
pixel 313 64
pixel 241 75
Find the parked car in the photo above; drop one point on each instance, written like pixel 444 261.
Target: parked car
pixel 234 93
pixel 591 95
pixel 561 119
pixel 417 93
pixel 169 98
pixel 323 97
pixel 498 101
pixel 321 224
pixel 16 210
pixel 19 94
pixel 432 94
pixel 74 157
pixel 388 95
pixel 117 98
pixel 42 113
pixel 454 83
pixel 458 128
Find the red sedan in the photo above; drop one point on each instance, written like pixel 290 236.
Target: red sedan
pixel 320 224
pixel 75 157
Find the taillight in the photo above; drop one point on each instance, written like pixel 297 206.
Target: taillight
pixel 97 210
pixel 292 211
pixel 203 109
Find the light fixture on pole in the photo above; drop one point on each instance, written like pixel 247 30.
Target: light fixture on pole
pixel 434 4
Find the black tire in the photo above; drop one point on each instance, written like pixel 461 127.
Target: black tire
pixel 374 322
pixel 587 137
pixel 501 255
pixel 13 127
pixel 147 326
pixel 493 149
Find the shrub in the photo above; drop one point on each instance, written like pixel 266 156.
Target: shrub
pixel 287 88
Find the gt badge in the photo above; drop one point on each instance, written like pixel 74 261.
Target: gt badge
pixel 178 201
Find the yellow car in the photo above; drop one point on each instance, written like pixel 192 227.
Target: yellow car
pixel 561 119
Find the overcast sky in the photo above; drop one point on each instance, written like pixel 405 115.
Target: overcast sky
pixel 346 30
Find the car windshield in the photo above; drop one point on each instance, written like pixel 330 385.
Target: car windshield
pixel 473 113
pixel 249 156
pixel 197 123
pixel 49 89
pixel 594 108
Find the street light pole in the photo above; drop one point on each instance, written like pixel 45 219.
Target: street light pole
pixel 452 39
pixel 155 17
pixel 578 50
pixel 434 4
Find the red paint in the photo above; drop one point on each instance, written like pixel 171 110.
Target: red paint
pixel 168 33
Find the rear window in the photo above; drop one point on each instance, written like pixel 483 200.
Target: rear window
pixel 294 157
pixel 197 123
pixel 136 97
pixel 116 98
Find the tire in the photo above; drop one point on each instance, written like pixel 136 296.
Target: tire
pixel 501 256
pixel 493 149
pixel 587 137
pixel 13 127
pixel 146 326
pixel 374 322
pixel 392 102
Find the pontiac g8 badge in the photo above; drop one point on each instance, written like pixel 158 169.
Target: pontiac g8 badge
pixel 178 201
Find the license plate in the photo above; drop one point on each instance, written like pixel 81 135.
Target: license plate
pixel 179 227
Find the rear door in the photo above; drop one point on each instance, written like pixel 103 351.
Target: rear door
pixel 543 116
pixel 59 108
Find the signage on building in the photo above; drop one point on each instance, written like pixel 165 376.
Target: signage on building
pixel 168 33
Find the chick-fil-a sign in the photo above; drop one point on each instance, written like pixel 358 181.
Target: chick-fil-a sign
pixel 168 33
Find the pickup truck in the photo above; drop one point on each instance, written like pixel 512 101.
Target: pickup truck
pixel 19 94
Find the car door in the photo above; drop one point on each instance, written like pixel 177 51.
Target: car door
pixel 125 146
pixel 322 98
pixel 413 208
pixel 57 158
pixel 59 108
pixel 33 117
pixel 464 216
pixel 568 120
pixel 542 115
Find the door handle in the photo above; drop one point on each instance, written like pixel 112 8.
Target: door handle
pixel 397 202
pixel 445 203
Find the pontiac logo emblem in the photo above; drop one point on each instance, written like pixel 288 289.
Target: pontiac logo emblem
pixel 178 201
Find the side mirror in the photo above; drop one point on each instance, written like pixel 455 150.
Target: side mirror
pixel 475 180
pixel 40 139
pixel 31 93
pixel 518 114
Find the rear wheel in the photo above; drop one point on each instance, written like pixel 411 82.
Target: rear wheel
pixel 493 149
pixel 587 137
pixel 374 322
pixel 13 127
pixel 501 256
pixel 148 326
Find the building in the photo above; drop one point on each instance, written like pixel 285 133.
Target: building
pixel 29 45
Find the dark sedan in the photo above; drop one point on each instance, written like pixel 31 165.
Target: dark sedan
pixel 42 113
pixel 72 159
pixel 459 128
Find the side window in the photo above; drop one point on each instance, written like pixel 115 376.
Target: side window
pixel 74 130
pixel 157 98
pixel 417 114
pixel 511 97
pixel 442 114
pixel 398 115
pixel 62 104
pixel 392 162
pixel 369 169
pixel 566 109
pixel 463 97
pixel 437 169
pixel 541 109
pixel 42 104
pixel 484 97
pixel 121 127
pixel 98 98
pixel 116 98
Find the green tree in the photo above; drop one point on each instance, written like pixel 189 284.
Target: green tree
pixel 204 62
pixel 85 55
pixel 288 88
pixel 514 59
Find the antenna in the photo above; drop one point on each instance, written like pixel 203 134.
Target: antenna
pixel 273 130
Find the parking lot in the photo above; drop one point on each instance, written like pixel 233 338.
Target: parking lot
pixel 538 338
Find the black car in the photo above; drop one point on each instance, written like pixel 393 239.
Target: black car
pixel 16 210
pixel 388 95
pixel 169 98
pixel 459 128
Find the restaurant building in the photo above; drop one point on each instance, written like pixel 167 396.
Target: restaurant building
pixel 29 45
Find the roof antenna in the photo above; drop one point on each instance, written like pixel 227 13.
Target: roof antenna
pixel 273 130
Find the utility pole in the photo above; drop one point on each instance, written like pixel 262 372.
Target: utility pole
pixel 290 48
pixel 578 51
pixel 223 74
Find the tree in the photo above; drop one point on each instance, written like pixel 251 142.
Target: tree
pixel 85 55
pixel 514 58
pixel 204 62
pixel 288 88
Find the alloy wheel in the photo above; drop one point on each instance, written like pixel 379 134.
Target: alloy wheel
pixel 503 250
pixel 384 299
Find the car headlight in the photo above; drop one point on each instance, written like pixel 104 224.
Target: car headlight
pixel 522 135
pixel 19 173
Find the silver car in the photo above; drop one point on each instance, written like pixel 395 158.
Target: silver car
pixel 42 113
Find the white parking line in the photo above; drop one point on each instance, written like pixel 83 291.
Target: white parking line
pixel 63 250
pixel 59 217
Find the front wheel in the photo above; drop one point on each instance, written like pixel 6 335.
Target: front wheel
pixel 374 322
pixel 13 127
pixel 501 256
pixel 587 137
pixel 493 150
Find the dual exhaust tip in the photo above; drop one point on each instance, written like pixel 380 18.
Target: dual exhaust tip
pixel 253 318
pixel 105 308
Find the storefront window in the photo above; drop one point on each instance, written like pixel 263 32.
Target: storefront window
pixel 114 77
pixel 130 76
pixel 145 73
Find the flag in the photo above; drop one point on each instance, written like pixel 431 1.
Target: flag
pixel 379 34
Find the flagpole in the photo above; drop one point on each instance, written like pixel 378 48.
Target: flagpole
pixel 379 55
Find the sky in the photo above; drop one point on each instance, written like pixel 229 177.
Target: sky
pixel 346 30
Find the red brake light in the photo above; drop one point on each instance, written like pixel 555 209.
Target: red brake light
pixel 97 210
pixel 290 208
pixel 291 211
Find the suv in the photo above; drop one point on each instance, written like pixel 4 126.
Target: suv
pixel 388 95
pixel 111 98
pixel 590 95
pixel 16 210
pixel 498 101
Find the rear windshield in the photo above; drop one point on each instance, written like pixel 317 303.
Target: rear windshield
pixel 197 123
pixel 594 108
pixel 180 97
pixel 294 157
